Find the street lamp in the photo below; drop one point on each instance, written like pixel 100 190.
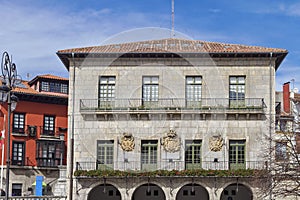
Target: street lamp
pixel 9 80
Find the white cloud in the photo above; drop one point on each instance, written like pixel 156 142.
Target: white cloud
pixel 214 10
pixel 289 9
pixel 34 34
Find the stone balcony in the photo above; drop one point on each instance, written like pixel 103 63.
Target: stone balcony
pixel 173 109
pixel 169 165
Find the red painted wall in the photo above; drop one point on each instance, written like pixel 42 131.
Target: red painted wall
pixel 286 98
pixel 34 115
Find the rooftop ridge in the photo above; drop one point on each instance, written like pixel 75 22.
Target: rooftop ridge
pixel 176 45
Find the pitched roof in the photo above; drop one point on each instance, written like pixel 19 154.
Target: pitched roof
pixel 173 45
pixel 25 88
pixel 47 76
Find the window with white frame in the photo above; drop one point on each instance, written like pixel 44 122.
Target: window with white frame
pixel 193 87
pixel 18 153
pixel 19 123
pixel 105 154
pixel 237 91
pixel 237 154
pixel 49 125
pixel 193 154
pixel 107 86
pixel 149 154
pixel 150 89
pixel 237 87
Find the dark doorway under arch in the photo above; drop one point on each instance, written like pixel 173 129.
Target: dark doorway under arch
pixel 236 191
pixel 192 192
pixel 107 192
pixel 149 192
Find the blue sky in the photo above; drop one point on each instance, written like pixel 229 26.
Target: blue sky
pixel 32 31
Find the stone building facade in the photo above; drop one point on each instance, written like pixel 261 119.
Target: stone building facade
pixel 175 105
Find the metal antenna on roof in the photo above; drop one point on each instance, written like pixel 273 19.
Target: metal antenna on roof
pixel 173 13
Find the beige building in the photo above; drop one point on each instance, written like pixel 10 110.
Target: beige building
pixel 195 114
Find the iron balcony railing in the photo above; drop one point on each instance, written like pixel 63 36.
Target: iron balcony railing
pixel 140 104
pixel 35 131
pixel 169 165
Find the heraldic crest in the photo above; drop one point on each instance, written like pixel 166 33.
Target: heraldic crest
pixel 215 143
pixel 171 142
pixel 127 142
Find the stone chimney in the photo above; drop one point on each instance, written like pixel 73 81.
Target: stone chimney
pixel 286 98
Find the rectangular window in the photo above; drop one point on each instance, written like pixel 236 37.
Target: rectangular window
pixel 49 153
pixel 45 86
pixel 150 90
pixel 149 154
pixel 19 123
pixel 18 153
pixel 64 88
pixel 16 189
pixel 56 87
pixel 193 86
pixel 105 154
pixel 281 151
pixel 107 86
pixel 237 91
pixel 49 125
pixel 193 154
pixel 237 154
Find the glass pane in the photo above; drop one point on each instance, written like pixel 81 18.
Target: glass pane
pixel 233 80
pixel 241 80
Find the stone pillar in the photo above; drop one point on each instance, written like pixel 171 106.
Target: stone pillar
pixel 60 186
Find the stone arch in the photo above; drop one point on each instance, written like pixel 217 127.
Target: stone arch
pixel 192 191
pixel 148 191
pixel 104 191
pixel 236 191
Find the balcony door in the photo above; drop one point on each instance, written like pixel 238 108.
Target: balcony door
pixel 193 154
pixel 107 86
pixel 105 154
pixel 237 154
pixel 150 91
pixel 149 155
pixel 237 91
pixel 193 87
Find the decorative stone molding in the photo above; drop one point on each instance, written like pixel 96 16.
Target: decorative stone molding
pixel 127 142
pixel 171 142
pixel 215 143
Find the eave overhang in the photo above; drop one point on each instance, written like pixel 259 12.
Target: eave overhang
pixel 66 58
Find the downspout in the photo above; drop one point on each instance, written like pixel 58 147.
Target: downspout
pixel 71 149
pixel 270 124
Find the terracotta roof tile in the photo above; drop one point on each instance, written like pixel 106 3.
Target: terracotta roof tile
pixel 50 76
pixel 175 46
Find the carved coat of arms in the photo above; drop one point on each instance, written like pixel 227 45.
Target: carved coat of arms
pixel 215 143
pixel 127 142
pixel 171 142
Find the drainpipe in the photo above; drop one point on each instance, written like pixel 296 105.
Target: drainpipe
pixel 71 137
pixel 270 123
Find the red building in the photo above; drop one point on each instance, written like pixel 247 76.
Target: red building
pixel 38 133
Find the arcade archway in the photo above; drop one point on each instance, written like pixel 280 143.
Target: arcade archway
pixel 237 191
pixel 104 191
pixel 149 192
pixel 192 192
